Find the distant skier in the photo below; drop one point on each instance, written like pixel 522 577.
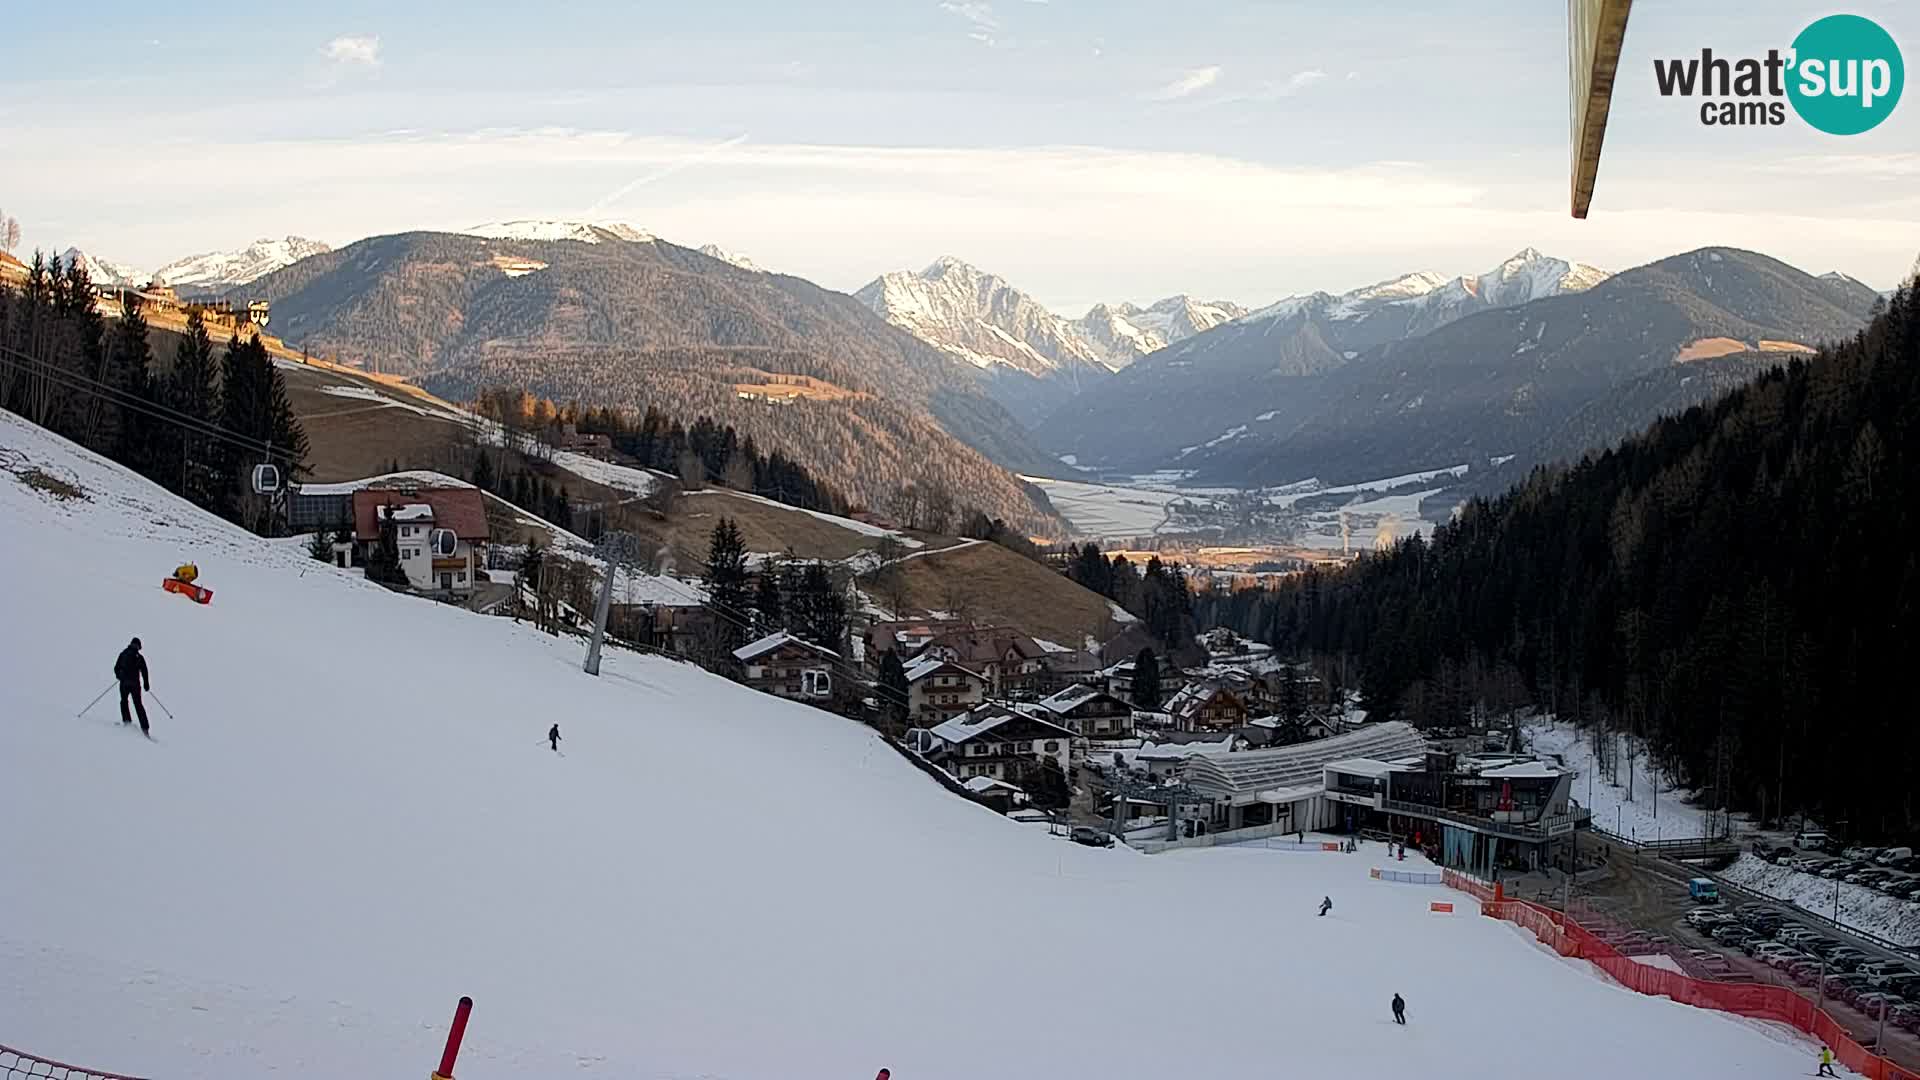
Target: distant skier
pixel 1399 1010
pixel 1826 1063
pixel 131 669
pixel 1326 905
pixel 553 737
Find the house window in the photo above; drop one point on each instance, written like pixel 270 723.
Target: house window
pixel 1053 746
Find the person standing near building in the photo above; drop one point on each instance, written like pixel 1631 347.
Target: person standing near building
pixel 130 668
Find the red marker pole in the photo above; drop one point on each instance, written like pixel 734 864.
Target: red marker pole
pixel 454 1035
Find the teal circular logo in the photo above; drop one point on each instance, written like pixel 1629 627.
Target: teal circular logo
pixel 1846 75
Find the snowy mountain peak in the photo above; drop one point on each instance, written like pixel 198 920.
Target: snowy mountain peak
pixel 102 272
pixel 979 318
pixel 1426 299
pixel 215 270
pixel 715 251
pixel 545 230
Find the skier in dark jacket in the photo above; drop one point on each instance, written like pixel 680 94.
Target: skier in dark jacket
pixel 131 669
pixel 553 736
pixel 1326 905
pixel 1399 1010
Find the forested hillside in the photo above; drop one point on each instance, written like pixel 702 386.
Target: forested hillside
pixel 1739 584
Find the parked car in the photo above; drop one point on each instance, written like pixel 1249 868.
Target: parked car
pixel 1092 837
pixel 1906 890
pixel 1880 969
pixel 1907 865
pixel 1906 985
pixel 1875 1004
pixel 1836 985
pixel 1704 918
pixel 1860 853
pixel 1730 934
pixel 1846 959
pixel 1805 971
pixel 1905 1016
pixel 1892 885
pixel 1893 853
pixel 1836 868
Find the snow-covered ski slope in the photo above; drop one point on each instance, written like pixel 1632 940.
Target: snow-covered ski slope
pixel 352 818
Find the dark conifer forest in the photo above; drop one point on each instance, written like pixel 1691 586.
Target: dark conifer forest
pixel 1739 585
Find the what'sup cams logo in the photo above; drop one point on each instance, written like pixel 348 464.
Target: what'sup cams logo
pixel 1843 76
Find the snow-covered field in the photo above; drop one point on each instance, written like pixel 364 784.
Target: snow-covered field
pixel 1671 816
pixel 1860 908
pixel 351 817
pixel 1104 511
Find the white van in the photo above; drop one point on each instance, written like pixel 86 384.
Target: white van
pixel 1811 839
pixel 1892 854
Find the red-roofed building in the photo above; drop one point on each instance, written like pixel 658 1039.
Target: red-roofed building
pixel 440 532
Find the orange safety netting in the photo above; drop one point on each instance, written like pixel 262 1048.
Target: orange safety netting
pixel 1775 1003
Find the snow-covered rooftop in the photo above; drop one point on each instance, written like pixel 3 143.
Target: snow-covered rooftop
pixel 753 650
pixel 409 512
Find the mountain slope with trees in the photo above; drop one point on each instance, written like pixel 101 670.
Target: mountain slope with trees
pixel 1738 585
pixel 862 404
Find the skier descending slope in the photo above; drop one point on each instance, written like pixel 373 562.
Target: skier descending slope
pixel 1326 905
pixel 130 668
pixel 553 737
pixel 1399 1010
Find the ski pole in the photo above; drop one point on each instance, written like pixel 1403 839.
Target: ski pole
pixel 95 701
pixel 162 704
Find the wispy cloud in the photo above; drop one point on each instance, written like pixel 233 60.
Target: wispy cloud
pixel 353 50
pixel 1297 82
pixel 1189 83
pixel 980 14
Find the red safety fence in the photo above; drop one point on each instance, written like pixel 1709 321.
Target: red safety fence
pixel 1761 1002
pixel 15 1064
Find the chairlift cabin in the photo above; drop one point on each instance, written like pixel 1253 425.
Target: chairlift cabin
pixel 445 543
pixel 266 479
pixel 816 683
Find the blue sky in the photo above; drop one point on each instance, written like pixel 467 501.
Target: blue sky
pixel 1085 149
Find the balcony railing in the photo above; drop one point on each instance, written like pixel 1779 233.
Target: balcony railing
pixel 1543 829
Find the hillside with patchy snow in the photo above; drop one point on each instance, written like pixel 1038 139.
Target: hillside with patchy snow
pixel 351 817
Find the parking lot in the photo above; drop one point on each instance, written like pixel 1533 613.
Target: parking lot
pixel 1642 906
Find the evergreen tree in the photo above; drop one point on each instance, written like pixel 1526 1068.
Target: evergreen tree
pixel 131 363
pixel 1146 681
pixel 769 612
pixel 193 462
pixel 726 581
pixel 825 609
pixel 321 546
pixel 894 689
pixel 383 562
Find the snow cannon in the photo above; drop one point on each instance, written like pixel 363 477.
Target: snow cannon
pixel 182 582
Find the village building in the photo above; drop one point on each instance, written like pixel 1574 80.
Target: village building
pixel 1208 705
pixel 1090 712
pixel 938 689
pixel 787 667
pixel 1287 787
pixel 995 742
pixel 440 533
pixel 1476 812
